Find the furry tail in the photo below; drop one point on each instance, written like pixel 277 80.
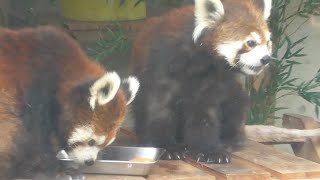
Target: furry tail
pixel 261 133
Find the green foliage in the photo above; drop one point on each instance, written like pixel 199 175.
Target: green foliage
pixel 282 83
pixel 115 42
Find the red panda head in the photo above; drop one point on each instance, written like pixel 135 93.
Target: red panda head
pixel 96 110
pixel 237 30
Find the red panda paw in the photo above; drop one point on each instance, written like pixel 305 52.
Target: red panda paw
pixel 216 156
pixel 175 153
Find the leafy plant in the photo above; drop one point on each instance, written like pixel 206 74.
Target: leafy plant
pixel 115 41
pixel 281 83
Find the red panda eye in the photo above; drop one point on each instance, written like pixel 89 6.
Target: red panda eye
pixel 252 43
pixel 92 142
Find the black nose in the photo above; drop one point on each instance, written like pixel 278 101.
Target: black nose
pixel 89 162
pixel 265 60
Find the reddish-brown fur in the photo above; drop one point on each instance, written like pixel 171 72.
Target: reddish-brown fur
pixel 228 29
pixel 25 56
pixel 231 28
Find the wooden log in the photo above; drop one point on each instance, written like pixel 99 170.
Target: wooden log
pixel 272 134
pixel 310 148
pixel 173 170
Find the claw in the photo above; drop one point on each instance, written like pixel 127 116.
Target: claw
pixel 167 156
pixel 217 156
pixel 175 153
pixel 184 154
pixel 199 157
pixel 227 160
pixel 176 156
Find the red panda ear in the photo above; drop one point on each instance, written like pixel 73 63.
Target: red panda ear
pixel 130 87
pixel 207 14
pixel 266 6
pixel 104 89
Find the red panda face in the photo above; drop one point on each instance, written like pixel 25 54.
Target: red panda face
pixel 97 109
pixel 236 30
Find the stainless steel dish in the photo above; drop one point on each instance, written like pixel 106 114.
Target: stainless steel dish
pixel 116 160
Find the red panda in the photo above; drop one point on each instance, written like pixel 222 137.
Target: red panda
pixel 188 62
pixel 52 98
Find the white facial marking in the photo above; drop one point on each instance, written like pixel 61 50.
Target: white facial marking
pixel 111 141
pixel 99 139
pixel 229 50
pixel 84 153
pixel 133 87
pixel 256 37
pixel 268 36
pixel 205 18
pixel 80 134
pixel 110 80
pixel 253 58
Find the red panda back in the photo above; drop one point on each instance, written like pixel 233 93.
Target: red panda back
pixel 167 26
pixel 41 48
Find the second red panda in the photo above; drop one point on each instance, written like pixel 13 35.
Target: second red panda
pixel 188 62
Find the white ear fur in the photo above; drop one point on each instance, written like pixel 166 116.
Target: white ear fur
pixel 205 16
pixel 133 87
pixel 110 80
pixel 267 9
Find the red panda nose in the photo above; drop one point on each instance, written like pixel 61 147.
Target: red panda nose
pixel 265 60
pixel 89 162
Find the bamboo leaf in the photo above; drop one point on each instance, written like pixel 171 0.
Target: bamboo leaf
pixel 312 97
pixel 278 109
pixel 290 81
pixel 293 62
pixel 299 41
pixel 296 53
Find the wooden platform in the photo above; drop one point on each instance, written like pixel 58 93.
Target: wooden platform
pixel 254 162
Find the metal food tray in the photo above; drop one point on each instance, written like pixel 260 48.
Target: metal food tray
pixel 115 160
